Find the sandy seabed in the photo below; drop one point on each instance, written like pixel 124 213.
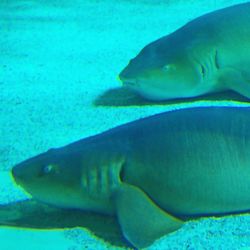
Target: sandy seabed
pixel 56 59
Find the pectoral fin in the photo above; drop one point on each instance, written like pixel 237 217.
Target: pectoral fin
pixel 141 220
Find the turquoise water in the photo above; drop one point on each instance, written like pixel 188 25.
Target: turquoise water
pixel 57 60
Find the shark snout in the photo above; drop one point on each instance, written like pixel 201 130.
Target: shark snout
pixel 126 78
pixel 127 81
pixel 17 173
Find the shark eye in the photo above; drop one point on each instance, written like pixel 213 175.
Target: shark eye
pixel 168 67
pixel 47 169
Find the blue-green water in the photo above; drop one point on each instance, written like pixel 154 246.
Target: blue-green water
pixel 57 59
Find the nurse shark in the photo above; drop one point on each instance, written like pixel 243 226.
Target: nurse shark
pixel 209 54
pixel 152 174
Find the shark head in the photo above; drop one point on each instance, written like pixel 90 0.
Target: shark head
pixel 63 179
pixel 49 177
pixel 162 70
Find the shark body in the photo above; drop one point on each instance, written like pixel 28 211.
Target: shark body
pixel 152 174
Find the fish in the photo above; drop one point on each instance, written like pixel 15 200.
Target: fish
pixel 208 54
pixel 152 174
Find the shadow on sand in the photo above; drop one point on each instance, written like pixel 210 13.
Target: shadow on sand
pixel 32 214
pixel 121 97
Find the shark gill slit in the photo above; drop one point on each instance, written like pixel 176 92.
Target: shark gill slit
pixel 121 173
pixel 216 60
pixel 203 71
